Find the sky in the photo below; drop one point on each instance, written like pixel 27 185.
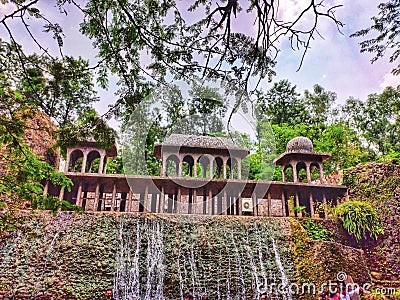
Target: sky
pixel 334 61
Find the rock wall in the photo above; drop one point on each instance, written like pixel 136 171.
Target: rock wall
pixel 78 256
pixel 379 183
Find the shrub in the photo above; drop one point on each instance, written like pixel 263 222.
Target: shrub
pixel 359 218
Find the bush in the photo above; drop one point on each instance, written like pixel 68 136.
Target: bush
pixel 359 218
pixel 315 231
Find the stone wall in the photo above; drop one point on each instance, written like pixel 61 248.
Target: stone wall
pixel 78 256
pixel 379 183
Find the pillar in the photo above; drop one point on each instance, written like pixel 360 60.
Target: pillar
pixel 105 165
pixel 46 188
pixel 254 200
pixel 239 169
pixel 311 205
pixel 325 208
pixel 308 171
pixel 162 200
pixel 209 201
pixel 294 167
pixel 96 197
pixel 216 204
pixel 114 193
pixel 146 199
pixel 101 164
pixel 240 212
pixel 224 168
pixel 164 166
pixel 269 204
pixel 180 167
pixel 211 169
pixel 283 174
pixel 79 195
pixel 224 200
pixel 283 205
pixel 297 204
pixel 67 161
pixel 84 161
pixel 194 167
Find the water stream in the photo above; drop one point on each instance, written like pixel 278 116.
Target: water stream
pixel 166 259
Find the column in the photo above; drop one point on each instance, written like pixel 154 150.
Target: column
pixel 101 164
pixel 224 168
pixel 105 165
pixel 164 166
pixel 79 195
pixel 211 169
pixel 325 208
pixel 178 201
pixel 254 200
pixel 239 169
pixel 209 201
pixel 240 212
pixel 114 193
pixel 283 205
pixel 146 199
pixel 162 200
pixel 61 194
pixel 308 171
pixel 294 168
pixel 84 160
pixel 283 174
pixel 46 188
pixel 180 167
pixel 311 205
pixel 224 200
pixel 96 197
pixel 297 203
pixel 321 173
pixel 67 161
pixel 269 204
pixel 195 166
pixel 216 204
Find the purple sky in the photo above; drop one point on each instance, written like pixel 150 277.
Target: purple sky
pixel 333 62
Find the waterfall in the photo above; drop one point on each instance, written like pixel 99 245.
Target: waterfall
pixel 126 279
pixel 285 284
pixel 165 259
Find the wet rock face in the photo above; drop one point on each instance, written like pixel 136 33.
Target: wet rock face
pixel 79 256
pixel 379 183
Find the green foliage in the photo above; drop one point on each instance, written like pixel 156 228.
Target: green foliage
pixel 54 204
pixel 359 218
pixel 315 231
pixel 386 26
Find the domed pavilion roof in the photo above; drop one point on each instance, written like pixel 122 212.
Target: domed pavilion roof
pixel 300 149
pixel 300 144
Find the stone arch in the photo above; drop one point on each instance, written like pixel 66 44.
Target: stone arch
pixel 301 169
pixel 93 161
pixel 315 171
pixel 187 166
pixel 172 165
pixel 287 173
pixel 75 161
pixel 203 163
pixel 218 167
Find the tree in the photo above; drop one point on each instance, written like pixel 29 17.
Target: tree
pixel 179 39
pixel 63 89
pixel 386 26
pixel 282 104
pixel 319 104
pixel 377 119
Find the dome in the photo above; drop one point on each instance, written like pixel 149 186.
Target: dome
pixel 300 144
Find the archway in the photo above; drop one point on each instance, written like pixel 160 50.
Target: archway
pixel 314 170
pixel 288 173
pixel 172 166
pixel 187 166
pixel 93 162
pixel 75 161
pixel 203 163
pixel 217 167
pixel 301 170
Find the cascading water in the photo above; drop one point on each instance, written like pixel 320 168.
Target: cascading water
pixel 223 259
